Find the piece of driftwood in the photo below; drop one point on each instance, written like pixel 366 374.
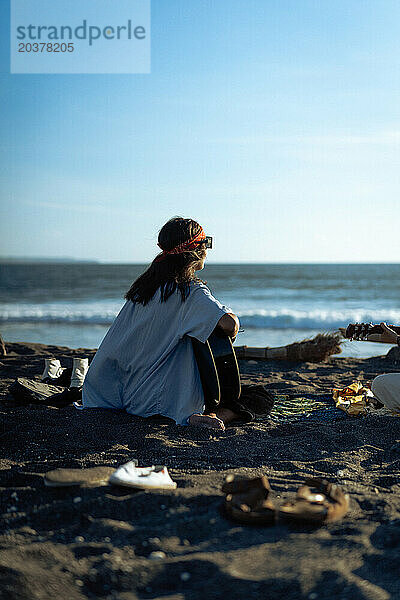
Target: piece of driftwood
pixel 317 349
pixel 3 351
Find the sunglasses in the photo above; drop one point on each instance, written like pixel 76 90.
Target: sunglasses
pixel 208 241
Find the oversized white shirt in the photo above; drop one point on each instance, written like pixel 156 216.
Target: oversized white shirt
pixel 146 365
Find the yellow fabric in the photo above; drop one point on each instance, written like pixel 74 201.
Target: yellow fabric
pixel 353 398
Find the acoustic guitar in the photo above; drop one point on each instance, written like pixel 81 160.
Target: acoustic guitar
pixel 218 368
pixel 362 331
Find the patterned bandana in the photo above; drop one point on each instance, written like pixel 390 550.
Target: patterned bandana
pixel 185 247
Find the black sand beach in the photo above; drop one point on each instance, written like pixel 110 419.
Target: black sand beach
pixel 100 542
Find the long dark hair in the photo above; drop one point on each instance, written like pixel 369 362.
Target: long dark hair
pixel 175 271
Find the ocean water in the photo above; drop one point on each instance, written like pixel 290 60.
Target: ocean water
pixel 74 304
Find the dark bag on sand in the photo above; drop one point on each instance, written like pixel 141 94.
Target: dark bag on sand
pixel 28 391
pixel 254 401
pixel 257 399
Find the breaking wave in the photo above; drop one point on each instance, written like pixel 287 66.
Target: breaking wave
pixel 285 318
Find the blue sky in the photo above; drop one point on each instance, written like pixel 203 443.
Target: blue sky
pixel 275 123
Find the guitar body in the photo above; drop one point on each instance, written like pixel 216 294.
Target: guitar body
pixel 218 368
pixel 361 331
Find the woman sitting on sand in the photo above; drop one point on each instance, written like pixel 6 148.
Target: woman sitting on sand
pixel 387 387
pixel 145 364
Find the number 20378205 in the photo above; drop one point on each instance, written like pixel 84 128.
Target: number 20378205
pixel 45 47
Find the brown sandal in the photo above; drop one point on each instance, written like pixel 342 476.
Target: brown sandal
pixel 93 476
pixel 247 500
pixel 329 504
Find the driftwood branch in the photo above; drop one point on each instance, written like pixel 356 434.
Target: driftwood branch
pixel 317 349
pixel 3 351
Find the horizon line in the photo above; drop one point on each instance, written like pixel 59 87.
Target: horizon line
pixel 69 260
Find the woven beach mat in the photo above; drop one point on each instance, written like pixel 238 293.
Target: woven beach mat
pixel 307 407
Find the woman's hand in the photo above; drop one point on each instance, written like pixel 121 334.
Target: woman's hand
pixel 389 334
pixel 229 323
pixel 387 337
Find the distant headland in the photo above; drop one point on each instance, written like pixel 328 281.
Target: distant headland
pixel 41 259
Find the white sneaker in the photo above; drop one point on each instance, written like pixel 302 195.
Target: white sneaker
pixel 52 369
pixel 144 478
pixel 80 367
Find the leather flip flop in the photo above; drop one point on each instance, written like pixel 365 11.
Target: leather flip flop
pixel 247 500
pixel 329 503
pixel 69 477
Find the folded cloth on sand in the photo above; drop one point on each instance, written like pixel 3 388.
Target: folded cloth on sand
pixel 145 478
pixel 257 399
pixel 68 477
pixel 353 399
pixel 254 401
pixel 28 391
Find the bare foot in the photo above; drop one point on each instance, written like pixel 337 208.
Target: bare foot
pixel 211 421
